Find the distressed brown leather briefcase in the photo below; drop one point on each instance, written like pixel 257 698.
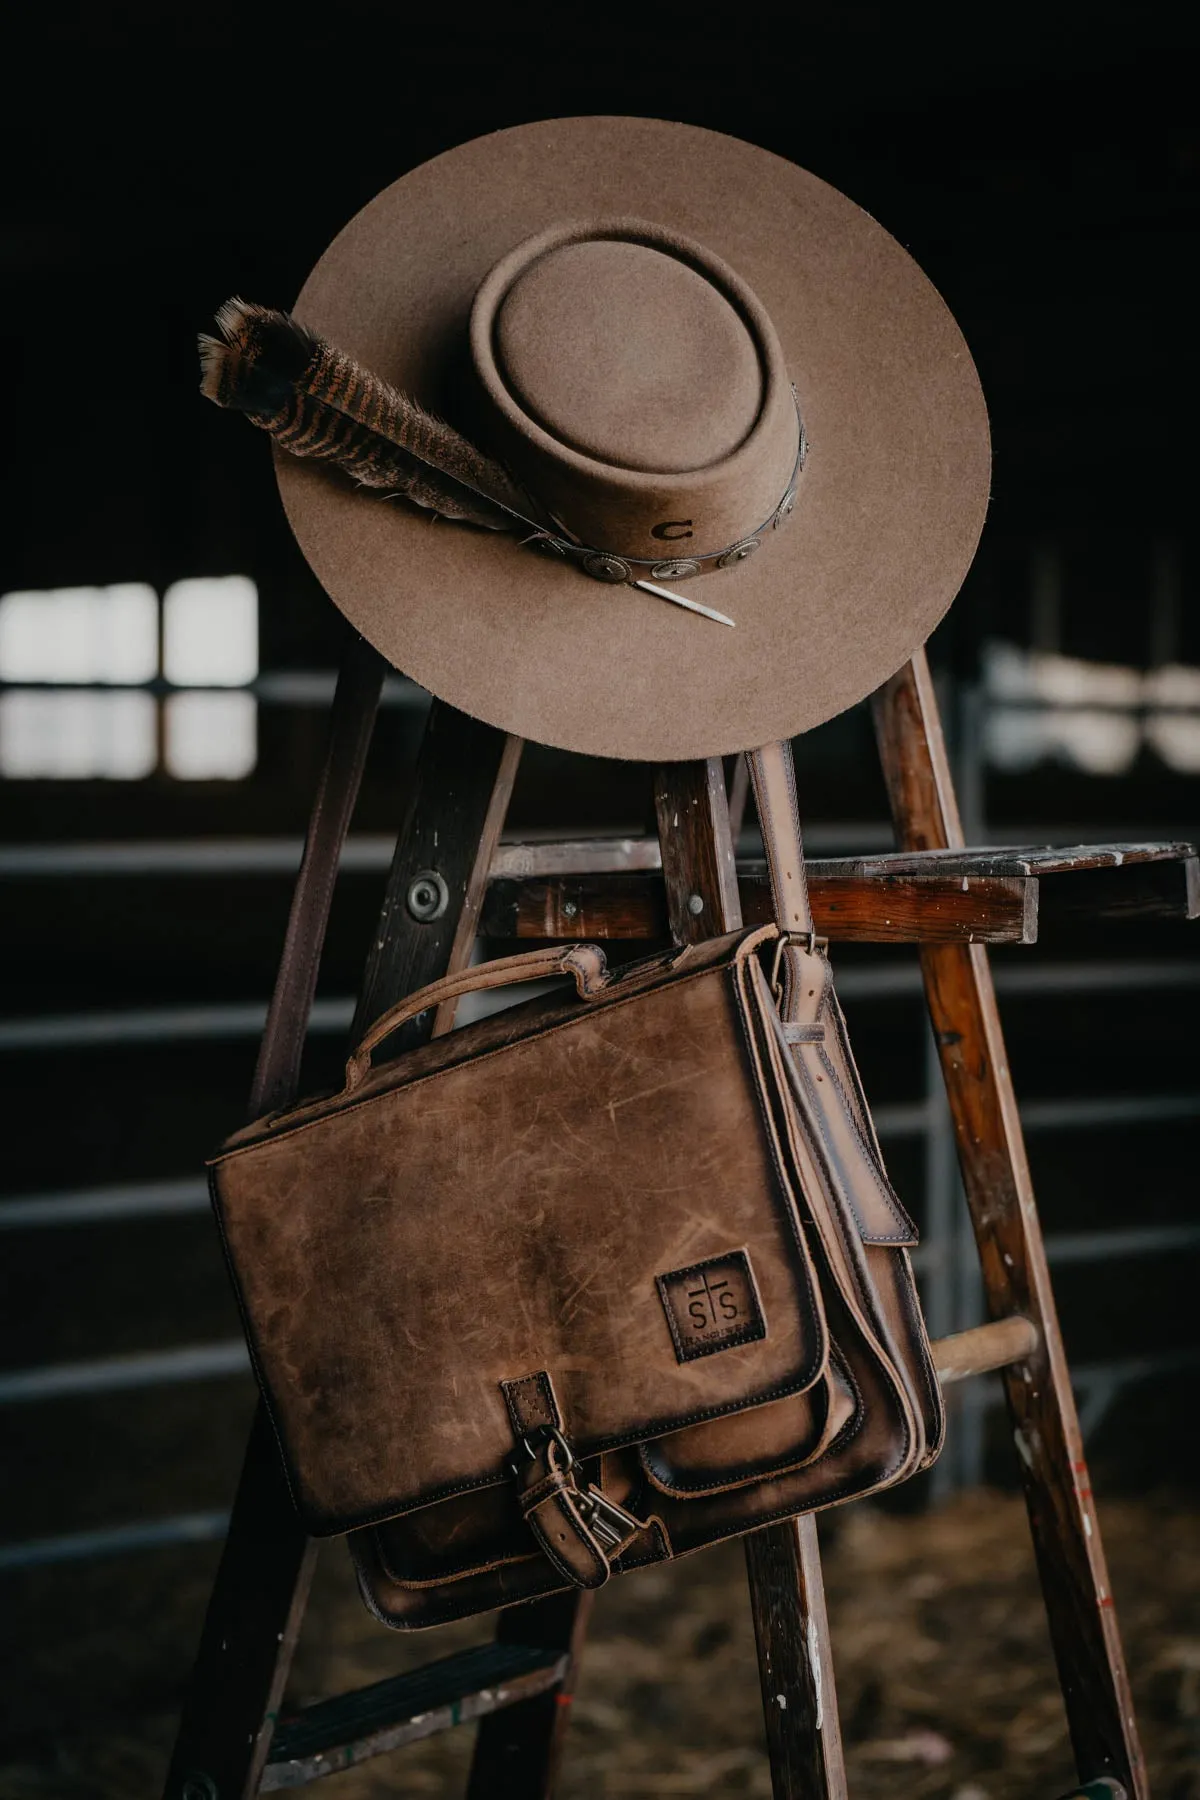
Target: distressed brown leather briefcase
pixel 589 1283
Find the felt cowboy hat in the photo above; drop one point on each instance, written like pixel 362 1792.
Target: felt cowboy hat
pixel 704 369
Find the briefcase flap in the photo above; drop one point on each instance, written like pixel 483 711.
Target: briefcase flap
pixel 587 1190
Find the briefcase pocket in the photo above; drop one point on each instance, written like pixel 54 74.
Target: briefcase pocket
pixel 717 1456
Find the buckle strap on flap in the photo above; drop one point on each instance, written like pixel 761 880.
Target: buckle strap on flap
pixel 578 1529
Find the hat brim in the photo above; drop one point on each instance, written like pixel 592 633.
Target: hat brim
pixel 890 506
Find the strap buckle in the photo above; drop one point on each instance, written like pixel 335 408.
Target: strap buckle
pixel 610 1524
pixel 807 940
pixel 547 1439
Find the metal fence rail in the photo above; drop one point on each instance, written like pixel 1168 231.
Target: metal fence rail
pixel 172 1024
pixel 114 1540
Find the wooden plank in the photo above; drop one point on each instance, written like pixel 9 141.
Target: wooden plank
pixel 1126 894
pixel 249 1637
pixel 925 909
pixel 566 906
pixel 783 1565
pixel 351 724
pixel 1115 882
pixel 899 909
pixel 739 792
pixel 576 856
pixel 518 1752
pixel 1062 1514
pixel 795 1667
pixel 337 1734
pixel 460 792
pixel 699 872
pixel 983 1349
pixel 1006 859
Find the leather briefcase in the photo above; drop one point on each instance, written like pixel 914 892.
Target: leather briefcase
pixel 589 1283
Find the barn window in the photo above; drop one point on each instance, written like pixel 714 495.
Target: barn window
pixel 1093 717
pixel 84 672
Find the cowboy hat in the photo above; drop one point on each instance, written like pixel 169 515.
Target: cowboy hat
pixel 709 371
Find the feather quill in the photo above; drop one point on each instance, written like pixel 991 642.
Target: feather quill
pixel 317 402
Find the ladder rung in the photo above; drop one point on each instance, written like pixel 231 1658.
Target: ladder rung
pixel 982 1348
pixel 335 1734
pixel 902 909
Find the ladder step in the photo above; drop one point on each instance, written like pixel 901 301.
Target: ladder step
pixel 983 1348
pixel 335 1734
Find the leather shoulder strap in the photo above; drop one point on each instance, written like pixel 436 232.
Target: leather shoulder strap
pixel 773 777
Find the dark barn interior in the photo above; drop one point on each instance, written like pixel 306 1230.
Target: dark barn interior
pixel 1043 168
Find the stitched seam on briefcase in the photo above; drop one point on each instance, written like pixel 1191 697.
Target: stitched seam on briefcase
pixel 787 1204
pixel 862 1483
pixel 860 1112
pixel 900 1235
pixel 601 1005
pixel 850 1490
pixel 876 1333
pixel 444 1615
pixel 855 1109
pixel 866 1298
pixel 541 1382
pixel 784 1186
pixel 256 1364
pixel 906 1231
pixel 864 1294
pixel 333 1524
pixel 742 1474
pixel 912 1310
pixel 489 1564
pixel 830 1157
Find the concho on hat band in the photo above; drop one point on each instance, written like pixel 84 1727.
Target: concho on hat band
pixel 607 565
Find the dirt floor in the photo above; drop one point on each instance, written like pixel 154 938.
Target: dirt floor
pixel 946 1686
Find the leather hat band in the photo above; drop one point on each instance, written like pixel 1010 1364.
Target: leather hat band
pixel 607 565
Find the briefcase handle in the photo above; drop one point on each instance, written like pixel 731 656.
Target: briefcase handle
pixel 586 962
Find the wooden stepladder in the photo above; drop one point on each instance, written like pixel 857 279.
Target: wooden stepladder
pixel 450 881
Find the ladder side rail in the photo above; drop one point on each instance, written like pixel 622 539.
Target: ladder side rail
pixel 518 1752
pixel 452 823
pixel 966 1024
pixel 260 1590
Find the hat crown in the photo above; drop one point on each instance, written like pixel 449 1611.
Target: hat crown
pixel 634 384
pixel 629 355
